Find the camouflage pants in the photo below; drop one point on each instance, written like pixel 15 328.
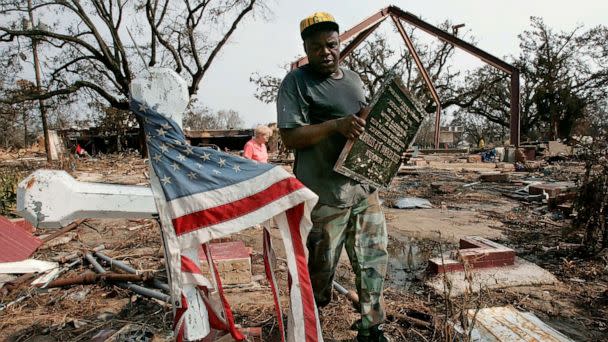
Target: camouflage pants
pixel 362 230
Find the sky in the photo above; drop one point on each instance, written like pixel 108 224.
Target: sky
pixel 265 44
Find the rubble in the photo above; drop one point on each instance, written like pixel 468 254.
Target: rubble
pixel 466 200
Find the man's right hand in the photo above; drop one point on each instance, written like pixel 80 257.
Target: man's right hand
pixel 350 126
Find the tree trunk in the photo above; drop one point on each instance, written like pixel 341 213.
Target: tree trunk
pixel 45 127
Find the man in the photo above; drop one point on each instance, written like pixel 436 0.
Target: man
pixel 317 110
pixel 255 148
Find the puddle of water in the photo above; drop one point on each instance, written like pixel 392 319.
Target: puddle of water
pixel 408 259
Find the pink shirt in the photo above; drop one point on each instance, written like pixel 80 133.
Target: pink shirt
pixel 255 151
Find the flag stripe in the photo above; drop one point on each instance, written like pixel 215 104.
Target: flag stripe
pixel 230 211
pixel 269 266
pixel 236 334
pixel 294 218
pixel 233 192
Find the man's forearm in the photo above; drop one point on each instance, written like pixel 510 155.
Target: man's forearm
pixel 350 126
pixel 305 136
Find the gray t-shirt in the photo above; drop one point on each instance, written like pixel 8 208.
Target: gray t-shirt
pixel 306 98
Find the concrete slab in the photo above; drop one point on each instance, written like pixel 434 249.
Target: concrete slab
pixel 452 224
pixel 520 274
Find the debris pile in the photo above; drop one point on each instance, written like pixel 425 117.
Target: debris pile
pixel 105 280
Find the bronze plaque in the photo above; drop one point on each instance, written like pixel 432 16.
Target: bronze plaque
pixel 391 127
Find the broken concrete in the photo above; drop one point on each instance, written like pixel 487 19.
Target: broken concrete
pixel 520 273
pixel 452 225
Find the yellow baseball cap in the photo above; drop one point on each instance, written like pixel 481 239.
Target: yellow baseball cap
pixel 315 19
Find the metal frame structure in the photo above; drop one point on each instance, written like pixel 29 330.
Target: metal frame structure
pixel 367 26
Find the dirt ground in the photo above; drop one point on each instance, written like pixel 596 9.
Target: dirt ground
pixel 576 306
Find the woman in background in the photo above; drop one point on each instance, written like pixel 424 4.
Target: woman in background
pixel 255 148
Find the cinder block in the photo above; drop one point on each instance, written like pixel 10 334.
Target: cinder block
pixel 232 259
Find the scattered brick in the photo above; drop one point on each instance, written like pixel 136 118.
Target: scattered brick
pixel 552 189
pixel 494 177
pixel 232 259
pixel 475 158
pixel 476 252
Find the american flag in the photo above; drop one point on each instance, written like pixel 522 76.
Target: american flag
pixel 203 194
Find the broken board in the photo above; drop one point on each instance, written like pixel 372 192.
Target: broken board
pixel 391 127
pixel 506 324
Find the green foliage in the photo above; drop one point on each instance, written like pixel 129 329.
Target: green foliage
pixel 9 179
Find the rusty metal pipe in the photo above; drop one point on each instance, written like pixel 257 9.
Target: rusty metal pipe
pixel 121 265
pixel 144 291
pixel 92 278
pixel 62 231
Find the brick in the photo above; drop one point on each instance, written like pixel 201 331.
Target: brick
pixel 232 260
pixel 494 177
pixel 475 252
pixel 560 198
pixel 565 208
pixel 475 158
pixel 468 243
pixel 436 266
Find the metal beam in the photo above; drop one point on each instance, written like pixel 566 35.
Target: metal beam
pixel 515 109
pixel 370 24
pixel 441 34
pixel 425 76
pixel 358 40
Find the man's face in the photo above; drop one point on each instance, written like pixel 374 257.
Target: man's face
pixel 323 52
